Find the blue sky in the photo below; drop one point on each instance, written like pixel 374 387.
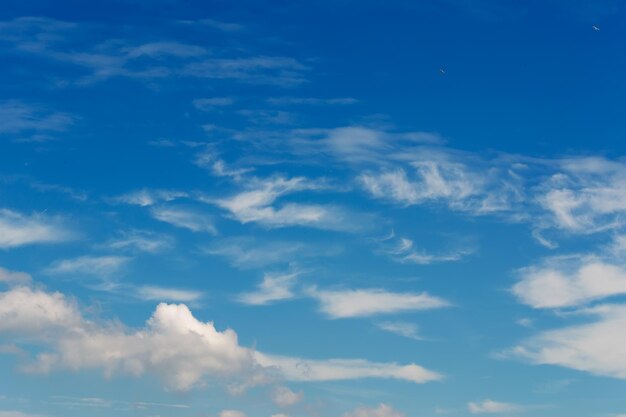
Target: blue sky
pixel 286 209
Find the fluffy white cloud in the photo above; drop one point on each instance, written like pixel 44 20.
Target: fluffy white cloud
pixel 175 346
pixel 369 302
pixel 493 407
pixel 383 410
pixel 14 277
pixel 273 288
pixel 185 218
pixel 17 229
pixel 300 369
pixel 595 347
pixel 569 281
pixel 33 313
pixel 284 397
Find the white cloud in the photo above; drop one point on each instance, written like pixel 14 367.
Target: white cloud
pixel 284 397
pixel 173 345
pixel 89 265
pixel 4 413
pixel 151 292
pixel 275 287
pixel 402 250
pixel 148 197
pixel 383 410
pixel 14 277
pixel 569 282
pixel 493 407
pixel 246 252
pixel 300 369
pixel 232 413
pixel 185 218
pixel 595 347
pixel 282 101
pixel 404 329
pixel 141 241
pixel 18 230
pixel 17 117
pixel 588 195
pixel 35 313
pixel 369 302
pixel 256 205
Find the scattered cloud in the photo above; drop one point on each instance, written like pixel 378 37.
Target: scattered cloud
pixel 300 369
pixel 400 328
pixel 140 241
pixel 284 397
pixel 19 118
pixel 14 277
pixel 181 350
pixel 232 413
pixel 313 101
pixel 155 293
pixel 383 410
pixel 275 287
pixel 148 197
pixel 18 229
pixel 185 218
pixel 569 282
pixel 101 266
pixel 369 302
pixel 594 347
pixel 492 407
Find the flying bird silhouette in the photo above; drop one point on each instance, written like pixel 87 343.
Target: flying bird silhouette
pixel 442 71
pixel 596 28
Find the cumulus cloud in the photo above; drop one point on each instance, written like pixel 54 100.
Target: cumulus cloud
pixel 31 312
pixel 274 287
pixel 383 410
pixel 569 282
pixel 492 407
pixel 17 229
pixel 284 397
pixel 369 302
pixel 181 350
pixel 185 218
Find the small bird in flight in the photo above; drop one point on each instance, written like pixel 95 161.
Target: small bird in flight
pixel 442 71
pixel 596 28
